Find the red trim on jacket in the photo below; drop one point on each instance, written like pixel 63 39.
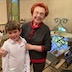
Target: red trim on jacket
pixel 42 48
pixel 38 61
pixel 31 33
pixel 33 27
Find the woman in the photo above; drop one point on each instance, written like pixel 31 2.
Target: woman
pixel 38 37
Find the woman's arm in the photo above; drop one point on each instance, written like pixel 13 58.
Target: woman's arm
pixel 34 47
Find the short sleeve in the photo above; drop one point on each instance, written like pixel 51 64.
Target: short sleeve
pixel 5 46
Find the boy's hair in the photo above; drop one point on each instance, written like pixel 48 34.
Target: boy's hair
pixel 12 25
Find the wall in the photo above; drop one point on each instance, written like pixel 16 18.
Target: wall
pixel 3 12
pixel 57 8
pixel 25 6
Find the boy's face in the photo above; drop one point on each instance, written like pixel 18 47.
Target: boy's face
pixel 14 34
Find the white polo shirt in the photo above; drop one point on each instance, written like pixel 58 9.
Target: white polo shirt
pixel 17 59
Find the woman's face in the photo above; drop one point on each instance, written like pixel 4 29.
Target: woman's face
pixel 38 14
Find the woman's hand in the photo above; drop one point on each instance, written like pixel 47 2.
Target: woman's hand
pixel 3 52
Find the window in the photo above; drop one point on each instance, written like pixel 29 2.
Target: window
pixel 13 10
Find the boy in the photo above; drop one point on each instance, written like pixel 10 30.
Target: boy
pixel 17 58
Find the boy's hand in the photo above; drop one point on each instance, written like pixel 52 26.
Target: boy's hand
pixel 3 52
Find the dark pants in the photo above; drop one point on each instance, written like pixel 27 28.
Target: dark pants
pixel 38 67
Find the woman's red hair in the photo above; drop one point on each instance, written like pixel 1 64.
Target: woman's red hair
pixel 41 5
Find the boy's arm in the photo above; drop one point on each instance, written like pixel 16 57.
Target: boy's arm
pixel 27 58
pixel 27 62
pixel 3 52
